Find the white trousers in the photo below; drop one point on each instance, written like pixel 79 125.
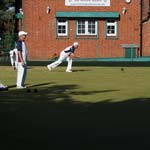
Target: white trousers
pixel 63 56
pixel 69 66
pixel 21 74
pixel 14 57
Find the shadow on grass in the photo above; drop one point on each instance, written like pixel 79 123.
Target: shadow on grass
pixel 52 119
pixel 42 84
pixel 11 86
pixel 76 70
pixel 32 86
pixel 80 70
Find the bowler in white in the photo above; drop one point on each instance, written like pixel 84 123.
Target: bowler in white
pixel 66 54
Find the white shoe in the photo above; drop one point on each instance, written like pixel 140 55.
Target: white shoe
pixel 2 86
pixel 21 87
pixel 68 71
pixel 49 67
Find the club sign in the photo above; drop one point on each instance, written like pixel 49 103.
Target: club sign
pixel 87 2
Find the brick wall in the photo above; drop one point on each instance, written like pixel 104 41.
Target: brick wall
pixel 42 40
pixel 145 9
pixel 146 39
pixel 146 28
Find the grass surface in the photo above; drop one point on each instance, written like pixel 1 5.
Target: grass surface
pixel 90 108
pixel 86 84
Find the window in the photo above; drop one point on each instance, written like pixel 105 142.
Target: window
pixel 62 27
pixel 111 28
pixel 86 27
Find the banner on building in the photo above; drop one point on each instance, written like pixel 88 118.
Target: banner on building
pixel 87 2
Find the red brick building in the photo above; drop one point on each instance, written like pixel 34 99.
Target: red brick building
pixel 103 28
pixel 145 8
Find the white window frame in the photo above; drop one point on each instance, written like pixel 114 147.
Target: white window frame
pixel 86 22
pixel 111 23
pixel 62 24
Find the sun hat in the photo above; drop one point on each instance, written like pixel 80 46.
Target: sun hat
pixel 76 44
pixel 22 33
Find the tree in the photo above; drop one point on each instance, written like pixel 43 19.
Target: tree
pixel 7 16
pixel 8 23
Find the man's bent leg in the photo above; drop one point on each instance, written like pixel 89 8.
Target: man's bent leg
pixel 69 66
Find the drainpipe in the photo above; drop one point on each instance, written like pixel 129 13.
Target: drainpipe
pixel 141 27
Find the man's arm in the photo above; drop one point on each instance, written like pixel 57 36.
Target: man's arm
pixel 72 55
pixel 19 48
pixel 20 58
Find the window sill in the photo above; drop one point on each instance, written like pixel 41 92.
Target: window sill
pixel 111 38
pixel 62 37
pixel 86 37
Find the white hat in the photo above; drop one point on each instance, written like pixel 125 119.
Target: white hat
pixel 75 44
pixel 22 33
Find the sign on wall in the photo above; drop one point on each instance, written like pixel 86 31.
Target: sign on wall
pixel 87 2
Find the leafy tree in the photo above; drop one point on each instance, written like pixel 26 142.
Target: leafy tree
pixel 8 10
pixel 7 16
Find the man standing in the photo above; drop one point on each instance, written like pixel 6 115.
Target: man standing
pixel 67 54
pixel 22 60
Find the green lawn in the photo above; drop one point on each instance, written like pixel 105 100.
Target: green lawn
pixel 90 108
pixel 86 84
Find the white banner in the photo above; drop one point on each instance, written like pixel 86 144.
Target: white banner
pixel 87 2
